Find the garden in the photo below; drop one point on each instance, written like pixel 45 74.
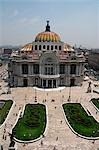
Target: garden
pixel 80 121
pixel 32 124
pixel 4 109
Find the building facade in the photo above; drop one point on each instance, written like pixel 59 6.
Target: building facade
pixel 93 59
pixel 47 62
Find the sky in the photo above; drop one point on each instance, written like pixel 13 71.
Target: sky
pixel 76 21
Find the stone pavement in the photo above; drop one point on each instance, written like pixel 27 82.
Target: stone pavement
pixel 58 136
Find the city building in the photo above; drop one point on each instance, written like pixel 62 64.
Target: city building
pixel 46 62
pixel 93 59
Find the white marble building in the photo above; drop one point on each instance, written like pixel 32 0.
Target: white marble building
pixel 46 62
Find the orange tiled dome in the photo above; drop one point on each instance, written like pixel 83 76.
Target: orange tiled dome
pixel 27 48
pixel 47 36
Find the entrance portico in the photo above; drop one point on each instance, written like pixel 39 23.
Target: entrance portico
pixel 49 83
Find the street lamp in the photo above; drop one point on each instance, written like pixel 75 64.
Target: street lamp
pixel 35 95
pixel 69 98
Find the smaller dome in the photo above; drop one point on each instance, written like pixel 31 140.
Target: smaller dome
pixel 27 48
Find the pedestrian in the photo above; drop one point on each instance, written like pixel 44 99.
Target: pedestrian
pixel 57 138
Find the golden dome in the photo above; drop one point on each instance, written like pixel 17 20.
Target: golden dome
pixel 47 35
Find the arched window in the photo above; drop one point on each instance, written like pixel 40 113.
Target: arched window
pixel 43 46
pixel 60 48
pixel 47 47
pixel 51 47
pixel 35 47
pixel 39 47
pixel 55 46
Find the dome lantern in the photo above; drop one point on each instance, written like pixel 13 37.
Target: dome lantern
pixel 47 27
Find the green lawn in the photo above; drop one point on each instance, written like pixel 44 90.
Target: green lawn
pixel 95 102
pixel 5 110
pixel 32 124
pixel 79 120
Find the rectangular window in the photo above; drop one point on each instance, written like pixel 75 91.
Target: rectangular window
pixel 35 47
pixel 24 69
pixel 46 70
pixel 73 69
pixel 36 69
pixel 51 70
pixel 62 69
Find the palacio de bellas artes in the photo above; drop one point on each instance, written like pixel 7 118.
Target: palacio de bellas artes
pixel 46 62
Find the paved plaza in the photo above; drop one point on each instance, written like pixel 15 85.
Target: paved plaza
pixel 58 136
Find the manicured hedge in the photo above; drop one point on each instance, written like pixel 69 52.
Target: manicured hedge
pixel 95 102
pixel 79 120
pixel 5 110
pixel 32 124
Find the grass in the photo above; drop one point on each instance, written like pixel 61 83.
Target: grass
pixel 32 124
pixel 95 101
pixel 5 110
pixel 79 120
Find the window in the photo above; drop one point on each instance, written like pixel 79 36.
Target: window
pixel 62 68
pixel 47 47
pixel 24 69
pixel 32 47
pixel 35 47
pixel 55 46
pixel 39 47
pixel 49 70
pixel 43 46
pixel 59 47
pixel 36 81
pixel 36 69
pixel 73 69
pixel 51 47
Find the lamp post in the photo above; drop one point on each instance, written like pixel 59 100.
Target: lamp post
pixel 35 96
pixel 69 98
pixel 36 92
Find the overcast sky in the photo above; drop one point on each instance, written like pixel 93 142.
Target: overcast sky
pixel 76 21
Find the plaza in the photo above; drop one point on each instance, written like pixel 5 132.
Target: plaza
pixel 58 134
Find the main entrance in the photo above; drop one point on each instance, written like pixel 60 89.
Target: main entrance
pixel 48 83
